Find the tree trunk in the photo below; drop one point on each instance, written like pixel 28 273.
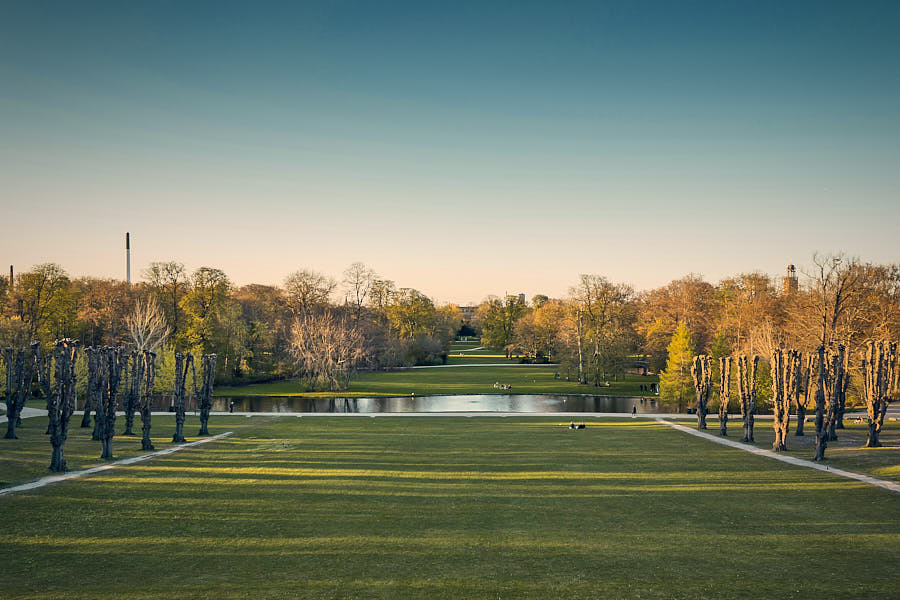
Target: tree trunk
pixel 19 376
pixel 821 414
pixel 785 379
pixel 209 375
pixel 747 388
pixel 724 391
pixel 182 364
pixel 62 404
pixel 879 367
pixel 148 370
pixel 700 372
pixel 133 392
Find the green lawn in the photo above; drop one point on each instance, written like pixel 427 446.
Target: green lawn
pixel 536 379
pixel 848 452
pixel 333 507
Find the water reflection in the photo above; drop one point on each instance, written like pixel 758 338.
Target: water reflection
pixel 524 403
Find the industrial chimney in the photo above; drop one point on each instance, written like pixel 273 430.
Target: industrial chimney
pixel 127 257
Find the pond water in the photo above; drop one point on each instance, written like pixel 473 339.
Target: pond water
pixel 524 403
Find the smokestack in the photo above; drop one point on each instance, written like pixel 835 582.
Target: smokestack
pixel 127 257
pixel 10 277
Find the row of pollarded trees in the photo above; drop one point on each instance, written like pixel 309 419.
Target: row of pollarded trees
pixel 793 380
pixel 112 372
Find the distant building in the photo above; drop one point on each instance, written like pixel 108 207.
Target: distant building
pixel 522 298
pixel 468 313
pixel 791 284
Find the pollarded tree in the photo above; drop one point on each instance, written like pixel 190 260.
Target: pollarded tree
pixel 724 391
pixel 148 372
pixel 183 363
pixel 62 404
pixel 824 411
pixel 208 373
pixel 19 375
pixel 132 391
pixel 747 389
pixel 675 381
pixel 700 373
pixel 804 392
pixel 879 366
pixel 105 368
pixel 785 385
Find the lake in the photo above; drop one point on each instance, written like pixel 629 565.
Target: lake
pixel 523 403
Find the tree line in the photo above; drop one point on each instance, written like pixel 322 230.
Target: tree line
pixel 325 329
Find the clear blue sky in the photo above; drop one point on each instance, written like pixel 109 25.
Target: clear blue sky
pixel 460 148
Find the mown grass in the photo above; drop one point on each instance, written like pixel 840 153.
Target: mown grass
pixel 848 452
pixel 332 507
pixel 531 379
pixel 29 456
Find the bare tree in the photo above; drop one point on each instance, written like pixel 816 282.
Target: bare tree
pixel 724 391
pixel 879 366
pixel 147 326
pixel 836 283
pixel 747 390
pixel 701 372
pixel 358 280
pixel 63 403
pixel 169 281
pixel 328 349
pixel 308 290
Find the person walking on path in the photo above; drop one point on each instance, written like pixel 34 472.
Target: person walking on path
pixel 634 411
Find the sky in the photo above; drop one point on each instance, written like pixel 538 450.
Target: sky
pixel 460 148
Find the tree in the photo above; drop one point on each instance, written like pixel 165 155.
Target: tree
pixel 827 392
pixel 805 392
pixel 747 390
pixel 675 381
pixel 498 322
pixel 688 300
pixel 208 374
pixel 168 282
pixel 411 313
pixel 785 386
pixel 145 387
pixel 62 404
pixel 146 325
pixel 700 373
pixel 308 291
pixel 328 350
pixel 358 280
pixel 183 363
pixel 19 375
pixel 41 297
pixel 879 366
pixel 724 391
pixel 105 368
pixel 604 326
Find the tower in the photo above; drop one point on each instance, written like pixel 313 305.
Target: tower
pixel 791 284
pixel 127 257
